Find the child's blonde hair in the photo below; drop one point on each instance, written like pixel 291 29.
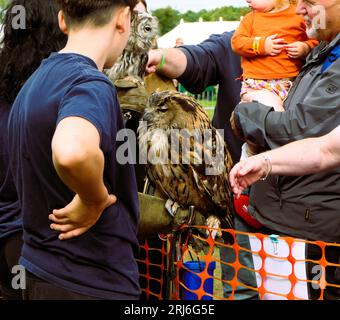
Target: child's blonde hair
pixel 280 3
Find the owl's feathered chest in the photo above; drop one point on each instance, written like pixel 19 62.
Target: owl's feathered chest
pixel 130 63
pixel 186 168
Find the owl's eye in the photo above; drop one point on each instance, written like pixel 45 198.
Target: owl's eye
pixel 147 29
pixel 163 109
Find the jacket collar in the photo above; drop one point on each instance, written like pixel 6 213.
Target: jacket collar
pixel 320 52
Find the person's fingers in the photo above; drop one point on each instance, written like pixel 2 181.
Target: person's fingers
pixel 290 46
pixel 273 36
pixel 275 52
pixel 278 46
pixel 233 182
pixel 292 49
pixel 72 234
pixel 62 228
pixel 244 171
pixel 237 192
pixel 293 54
pixel 280 40
pixel 151 69
pixel 60 213
pixel 112 199
pixel 55 219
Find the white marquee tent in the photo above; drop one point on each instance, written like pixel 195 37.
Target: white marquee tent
pixel 195 32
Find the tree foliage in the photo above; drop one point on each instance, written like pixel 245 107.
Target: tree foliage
pixel 170 18
pixel 3 5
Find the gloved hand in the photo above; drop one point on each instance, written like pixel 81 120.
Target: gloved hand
pixel 132 94
pixel 155 219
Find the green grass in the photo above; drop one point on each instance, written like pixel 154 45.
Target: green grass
pixel 210 113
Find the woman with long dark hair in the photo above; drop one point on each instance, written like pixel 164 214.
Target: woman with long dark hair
pixel 22 50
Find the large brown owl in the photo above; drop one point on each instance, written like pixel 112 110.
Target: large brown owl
pixel 187 158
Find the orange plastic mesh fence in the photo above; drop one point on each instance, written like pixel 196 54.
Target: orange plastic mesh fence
pixel 152 269
pixel 192 267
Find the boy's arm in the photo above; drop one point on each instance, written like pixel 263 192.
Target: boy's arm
pixel 79 163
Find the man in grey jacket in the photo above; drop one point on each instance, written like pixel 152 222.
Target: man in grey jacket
pixel 305 207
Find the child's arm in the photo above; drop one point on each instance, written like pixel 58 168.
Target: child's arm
pixel 246 45
pixel 79 163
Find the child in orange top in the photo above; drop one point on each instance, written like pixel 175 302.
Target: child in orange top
pixel 273 43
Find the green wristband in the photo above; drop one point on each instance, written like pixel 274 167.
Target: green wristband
pixel 161 65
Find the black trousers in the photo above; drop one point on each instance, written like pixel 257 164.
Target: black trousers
pixel 10 251
pixel 38 289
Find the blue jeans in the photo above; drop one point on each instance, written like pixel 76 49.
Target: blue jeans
pixel 245 258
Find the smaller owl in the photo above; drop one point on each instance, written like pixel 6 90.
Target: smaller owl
pixel 132 62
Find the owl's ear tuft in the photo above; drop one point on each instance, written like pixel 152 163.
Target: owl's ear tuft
pixel 159 98
pixel 185 102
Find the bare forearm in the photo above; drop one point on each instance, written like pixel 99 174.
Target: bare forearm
pixel 80 161
pixel 84 176
pixel 308 156
pixel 295 159
pixel 298 158
pixel 175 63
pixel 170 62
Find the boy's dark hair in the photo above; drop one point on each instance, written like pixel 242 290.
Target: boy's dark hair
pixel 22 50
pixel 95 12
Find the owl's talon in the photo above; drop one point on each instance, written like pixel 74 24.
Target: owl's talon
pixel 214 223
pixel 171 207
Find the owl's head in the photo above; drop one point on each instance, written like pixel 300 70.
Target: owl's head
pixel 144 30
pixel 174 110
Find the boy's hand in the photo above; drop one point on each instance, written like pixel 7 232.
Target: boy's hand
pixel 297 49
pixel 273 46
pixel 78 217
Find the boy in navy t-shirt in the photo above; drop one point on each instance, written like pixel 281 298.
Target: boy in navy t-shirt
pixel 62 145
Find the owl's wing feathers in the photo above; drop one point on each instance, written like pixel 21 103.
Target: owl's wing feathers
pixel 214 180
pixel 197 171
pixel 189 181
pixel 142 65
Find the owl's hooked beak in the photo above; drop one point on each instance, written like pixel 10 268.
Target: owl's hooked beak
pixel 147 116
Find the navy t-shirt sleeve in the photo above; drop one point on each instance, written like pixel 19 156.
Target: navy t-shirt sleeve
pixel 96 102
